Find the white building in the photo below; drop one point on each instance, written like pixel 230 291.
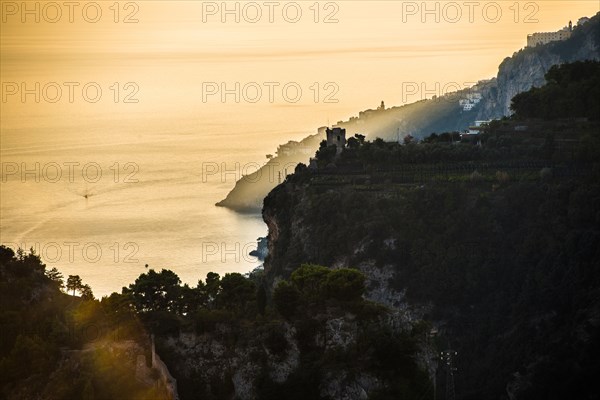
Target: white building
pixel 538 38
pixel 478 127
pixel 470 101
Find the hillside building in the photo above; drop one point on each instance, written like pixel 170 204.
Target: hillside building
pixel 336 137
pixel 478 127
pixel 470 100
pixel 539 38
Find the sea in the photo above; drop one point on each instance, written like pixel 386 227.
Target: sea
pixel 107 200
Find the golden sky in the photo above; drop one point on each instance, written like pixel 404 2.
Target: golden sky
pixel 366 50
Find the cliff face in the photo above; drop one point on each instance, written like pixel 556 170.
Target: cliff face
pixel 325 357
pixel 521 72
pixel 527 67
pixel 503 271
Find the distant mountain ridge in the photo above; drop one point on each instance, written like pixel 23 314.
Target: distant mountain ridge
pixel 524 69
pixel 516 74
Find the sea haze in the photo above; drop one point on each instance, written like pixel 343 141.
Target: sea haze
pixel 159 209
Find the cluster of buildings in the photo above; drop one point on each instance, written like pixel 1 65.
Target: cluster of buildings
pixel 470 101
pixel 369 113
pixel 336 136
pixel 476 128
pixel 539 38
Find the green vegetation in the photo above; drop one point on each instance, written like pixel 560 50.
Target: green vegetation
pixel 229 308
pixel 59 346
pixel 509 266
pixel 572 91
pixel 48 333
pixel 313 291
pixel 498 241
pixel 313 285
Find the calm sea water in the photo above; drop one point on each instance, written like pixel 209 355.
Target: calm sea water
pixel 152 204
pixel 164 160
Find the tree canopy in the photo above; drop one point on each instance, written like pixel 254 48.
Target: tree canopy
pixel 571 91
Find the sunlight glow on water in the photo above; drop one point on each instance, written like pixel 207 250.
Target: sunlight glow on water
pixel 167 218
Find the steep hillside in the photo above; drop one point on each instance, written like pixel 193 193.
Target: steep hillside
pixel 249 191
pixel 57 346
pixel 496 245
pixel 315 338
pixel 518 73
pixel 501 260
pixel 524 69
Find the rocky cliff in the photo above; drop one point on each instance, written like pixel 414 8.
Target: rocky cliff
pixel 498 256
pixel 327 356
pixel 527 67
pixel 516 74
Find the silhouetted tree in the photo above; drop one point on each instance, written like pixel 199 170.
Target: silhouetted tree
pixel 154 291
pixel 236 291
pixel 56 277
pixel 86 292
pixel 261 299
pixel 326 154
pixel 572 90
pixel 74 283
pixel 309 280
pixel 212 285
pixel 352 143
pixel 6 254
pixel 360 138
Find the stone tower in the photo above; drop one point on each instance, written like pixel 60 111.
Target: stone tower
pixel 336 137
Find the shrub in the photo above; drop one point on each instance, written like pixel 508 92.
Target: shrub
pixel 345 284
pixel 286 299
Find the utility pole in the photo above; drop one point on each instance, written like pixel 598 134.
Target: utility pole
pixel 447 358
